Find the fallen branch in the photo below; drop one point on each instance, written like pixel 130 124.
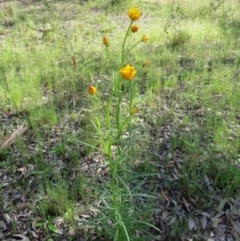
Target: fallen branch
pixel 13 137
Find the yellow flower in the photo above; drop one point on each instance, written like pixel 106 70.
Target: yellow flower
pixel 128 72
pixel 134 13
pixel 105 41
pixel 134 110
pixel 145 38
pixel 134 28
pixel 147 63
pixel 92 90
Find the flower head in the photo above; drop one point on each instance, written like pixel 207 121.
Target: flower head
pixel 134 28
pixel 134 13
pixel 134 110
pixel 145 38
pixel 92 90
pixel 147 63
pixel 105 41
pixel 128 72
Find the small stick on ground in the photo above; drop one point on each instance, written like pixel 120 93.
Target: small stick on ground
pixel 13 137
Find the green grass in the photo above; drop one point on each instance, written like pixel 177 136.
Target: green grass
pixel 187 120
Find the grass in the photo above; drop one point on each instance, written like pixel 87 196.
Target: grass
pixel 88 159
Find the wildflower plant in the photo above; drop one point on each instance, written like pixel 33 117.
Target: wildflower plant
pixel 119 220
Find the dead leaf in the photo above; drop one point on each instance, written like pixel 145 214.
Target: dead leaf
pixel 23 170
pixel 175 176
pixel 236 225
pixel 71 232
pixel 171 164
pixel 186 204
pixel 210 239
pixel 3 226
pixel 235 234
pixel 164 215
pixel 13 137
pixel 192 200
pixel 219 233
pixel 203 221
pixel 165 195
pixel 177 173
pixel 17 237
pixel 192 224
pixel 7 218
pixel 216 221
pixel 205 214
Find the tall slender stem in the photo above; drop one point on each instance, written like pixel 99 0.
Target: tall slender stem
pixel 127 52
pixel 123 45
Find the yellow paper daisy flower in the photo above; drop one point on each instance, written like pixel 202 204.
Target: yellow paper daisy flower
pixel 134 13
pixel 128 72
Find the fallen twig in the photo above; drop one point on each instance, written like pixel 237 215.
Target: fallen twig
pixel 13 137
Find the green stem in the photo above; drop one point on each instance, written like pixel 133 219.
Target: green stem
pixel 108 120
pixel 109 62
pixel 130 110
pixel 118 122
pixel 127 52
pixel 124 41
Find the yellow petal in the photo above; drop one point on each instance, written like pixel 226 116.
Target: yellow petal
pixel 128 72
pixel 134 13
